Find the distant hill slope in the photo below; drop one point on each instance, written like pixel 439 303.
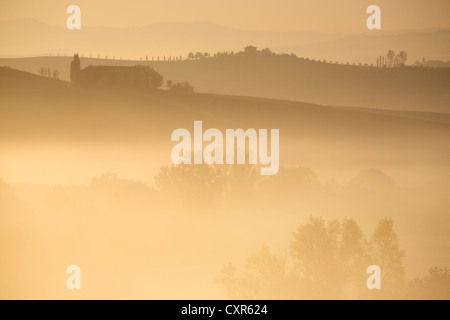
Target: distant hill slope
pixel 35 108
pixel 431 45
pixel 53 125
pixel 290 78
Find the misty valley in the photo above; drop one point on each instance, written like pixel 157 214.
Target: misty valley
pixel 200 161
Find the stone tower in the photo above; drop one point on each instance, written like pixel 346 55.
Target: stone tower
pixel 75 68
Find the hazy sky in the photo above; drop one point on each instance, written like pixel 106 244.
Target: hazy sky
pixel 280 15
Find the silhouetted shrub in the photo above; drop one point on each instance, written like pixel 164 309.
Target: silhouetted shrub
pixel 182 87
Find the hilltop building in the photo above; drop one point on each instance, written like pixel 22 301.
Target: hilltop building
pixel 125 76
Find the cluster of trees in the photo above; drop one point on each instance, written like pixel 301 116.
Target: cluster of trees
pixel 329 261
pixel 326 258
pixel 249 50
pixel 392 60
pixel 252 51
pixel 198 55
pixel 49 73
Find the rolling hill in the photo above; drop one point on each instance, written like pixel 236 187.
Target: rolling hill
pixel 287 77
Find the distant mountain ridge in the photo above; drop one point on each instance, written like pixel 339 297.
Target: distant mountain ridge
pixel 32 37
pixel 29 37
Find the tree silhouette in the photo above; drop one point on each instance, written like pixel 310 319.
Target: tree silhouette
pixel 388 255
pixel 265 277
pixel 390 57
pixel 198 187
pixel 315 249
pixel 403 56
pixel 198 55
pixel 330 262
